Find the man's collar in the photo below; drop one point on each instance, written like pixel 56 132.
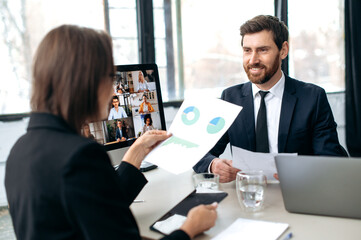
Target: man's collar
pixel 276 90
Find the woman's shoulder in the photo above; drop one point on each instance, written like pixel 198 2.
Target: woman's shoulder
pixel 75 142
pixel 83 151
pixel 54 151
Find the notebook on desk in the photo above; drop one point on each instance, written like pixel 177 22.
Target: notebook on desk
pixel 321 185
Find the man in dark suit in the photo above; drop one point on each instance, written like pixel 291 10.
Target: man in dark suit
pixel 280 114
pixel 120 134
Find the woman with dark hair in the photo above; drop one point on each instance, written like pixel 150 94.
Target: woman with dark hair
pixel 61 185
pixel 148 123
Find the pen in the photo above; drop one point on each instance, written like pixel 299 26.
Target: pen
pixel 288 236
pixel 138 201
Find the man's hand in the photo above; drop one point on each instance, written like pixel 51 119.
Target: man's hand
pixel 224 169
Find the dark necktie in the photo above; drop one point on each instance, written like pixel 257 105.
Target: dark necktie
pixel 261 126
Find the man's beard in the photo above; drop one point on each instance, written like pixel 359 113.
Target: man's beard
pixel 263 77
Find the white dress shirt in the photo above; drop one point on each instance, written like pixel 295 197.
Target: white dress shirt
pixel 273 102
pixel 114 114
pixel 142 86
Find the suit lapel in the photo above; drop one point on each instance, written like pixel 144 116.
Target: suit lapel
pixel 248 115
pixel 288 105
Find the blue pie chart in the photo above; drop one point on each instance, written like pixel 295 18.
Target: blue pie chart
pixel 190 115
pixel 215 125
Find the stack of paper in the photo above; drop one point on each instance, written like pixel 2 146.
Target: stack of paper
pixel 248 160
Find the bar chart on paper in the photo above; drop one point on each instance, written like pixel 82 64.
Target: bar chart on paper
pixel 176 150
pixel 180 142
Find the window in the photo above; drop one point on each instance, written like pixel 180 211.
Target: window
pixel 210 39
pixel 201 54
pixel 160 48
pixel 24 23
pixel 317 43
pixel 123 29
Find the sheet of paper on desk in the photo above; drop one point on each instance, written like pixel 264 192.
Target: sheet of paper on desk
pixel 196 128
pixel 247 229
pixel 248 160
pixel 170 224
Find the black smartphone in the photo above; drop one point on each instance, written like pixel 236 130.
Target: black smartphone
pixel 146 166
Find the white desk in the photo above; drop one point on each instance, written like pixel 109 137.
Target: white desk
pixel 164 190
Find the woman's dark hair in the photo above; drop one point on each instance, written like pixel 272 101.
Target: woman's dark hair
pixel 146 116
pixel 266 22
pixel 69 65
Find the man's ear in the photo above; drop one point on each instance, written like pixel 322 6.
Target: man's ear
pixel 284 50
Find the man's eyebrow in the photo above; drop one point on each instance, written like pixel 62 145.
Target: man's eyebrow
pixel 265 46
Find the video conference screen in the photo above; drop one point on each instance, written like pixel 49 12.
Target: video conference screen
pixel 135 107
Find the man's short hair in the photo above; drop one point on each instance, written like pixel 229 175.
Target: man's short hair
pixel 270 23
pixel 69 66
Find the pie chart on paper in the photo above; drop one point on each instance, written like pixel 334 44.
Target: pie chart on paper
pixel 190 115
pixel 215 125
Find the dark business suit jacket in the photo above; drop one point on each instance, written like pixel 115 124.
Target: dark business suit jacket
pixel 61 185
pixel 123 134
pixel 306 127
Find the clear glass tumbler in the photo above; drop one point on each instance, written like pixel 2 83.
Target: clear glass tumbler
pixel 251 189
pixel 206 181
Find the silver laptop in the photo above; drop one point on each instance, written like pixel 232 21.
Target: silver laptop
pixel 321 185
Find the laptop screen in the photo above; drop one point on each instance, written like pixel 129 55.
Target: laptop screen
pixel 135 107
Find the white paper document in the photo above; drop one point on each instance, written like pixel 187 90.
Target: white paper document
pixel 170 224
pixel 196 128
pixel 247 229
pixel 248 160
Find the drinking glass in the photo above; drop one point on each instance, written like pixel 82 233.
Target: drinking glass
pixel 206 181
pixel 251 188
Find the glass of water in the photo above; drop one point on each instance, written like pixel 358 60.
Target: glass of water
pixel 251 188
pixel 206 181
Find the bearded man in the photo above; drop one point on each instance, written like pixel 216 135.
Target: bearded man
pixel 280 114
